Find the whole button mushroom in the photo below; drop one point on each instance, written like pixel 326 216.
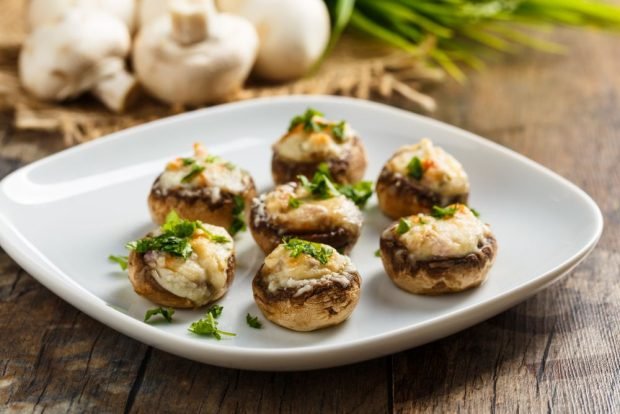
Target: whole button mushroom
pixel 194 55
pixel 46 11
pixel 293 34
pixel 83 51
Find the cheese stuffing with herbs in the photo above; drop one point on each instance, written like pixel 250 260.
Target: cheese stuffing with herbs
pixel 451 237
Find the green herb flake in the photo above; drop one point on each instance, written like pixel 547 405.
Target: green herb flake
pixel 238 223
pixel 443 212
pixel 415 169
pixel 316 250
pixel 166 313
pixel 211 159
pixel 338 130
pixel 378 253
pixel 196 170
pixel 474 212
pixel 187 161
pixel 230 166
pixel 175 237
pixel 358 193
pixel 215 310
pixel 321 186
pixel 253 321
pixel 120 260
pixel 294 202
pixel 403 226
pixel 307 120
pixel 208 326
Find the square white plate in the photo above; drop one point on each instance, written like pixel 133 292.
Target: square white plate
pixel 60 218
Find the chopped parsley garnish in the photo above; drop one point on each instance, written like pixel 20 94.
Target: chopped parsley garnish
pixel 196 170
pixel 238 223
pixel 403 226
pixel 338 131
pixel 253 321
pixel 230 166
pixel 166 243
pixel 315 250
pixel 415 169
pixel 474 212
pixel 378 253
pixel 188 161
pixel 175 237
pixel 294 202
pixel 322 187
pixel 358 193
pixel 215 310
pixel 211 159
pixel 443 212
pixel 121 260
pixel 165 312
pixel 207 326
pixel 307 120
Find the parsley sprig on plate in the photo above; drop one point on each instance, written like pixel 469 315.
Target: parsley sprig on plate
pixel 166 313
pixel 175 237
pixel 208 325
pixel 322 187
pixel 238 223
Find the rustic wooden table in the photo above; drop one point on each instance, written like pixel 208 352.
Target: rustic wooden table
pixel 558 351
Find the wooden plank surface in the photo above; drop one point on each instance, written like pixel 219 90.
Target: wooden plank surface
pixel 556 352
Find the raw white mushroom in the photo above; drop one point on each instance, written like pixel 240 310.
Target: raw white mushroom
pixel 292 33
pixel 150 10
pixel 47 11
pixel 83 51
pixel 194 55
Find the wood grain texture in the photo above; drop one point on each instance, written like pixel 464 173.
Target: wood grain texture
pixel 556 352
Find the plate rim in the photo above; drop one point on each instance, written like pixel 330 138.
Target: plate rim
pixel 315 356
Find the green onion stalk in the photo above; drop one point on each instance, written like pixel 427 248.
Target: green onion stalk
pixel 460 32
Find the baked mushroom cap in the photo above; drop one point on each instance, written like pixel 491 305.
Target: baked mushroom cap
pixel 291 210
pixel 203 187
pixel 170 279
pixel 312 140
pixel 418 177
pixel 306 286
pixel 450 252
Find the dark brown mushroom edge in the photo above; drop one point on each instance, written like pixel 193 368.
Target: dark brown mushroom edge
pixel 418 177
pixel 449 251
pixel 290 210
pixel 203 187
pixel 306 286
pixel 312 140
pixel 182 267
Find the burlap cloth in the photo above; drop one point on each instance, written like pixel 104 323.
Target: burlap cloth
pixel 358 67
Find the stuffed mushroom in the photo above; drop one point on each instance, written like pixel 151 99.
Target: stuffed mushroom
pixel 418 177
pixel 450 250
pixel 203 187
pixel 312 140
pixel 318 210
pixel 183 264
pixel 306 286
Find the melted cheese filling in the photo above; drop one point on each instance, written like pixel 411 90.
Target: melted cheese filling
pixel 332 213
pixel 442 172
pixel 304 272
pixel 452 237
pixel 217 176
pixel 202 275
pixel 300 145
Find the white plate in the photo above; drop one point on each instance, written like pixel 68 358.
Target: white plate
pixel 60 218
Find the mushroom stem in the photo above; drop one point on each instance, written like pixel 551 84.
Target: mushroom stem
pixel 115 87
pixel 189 21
